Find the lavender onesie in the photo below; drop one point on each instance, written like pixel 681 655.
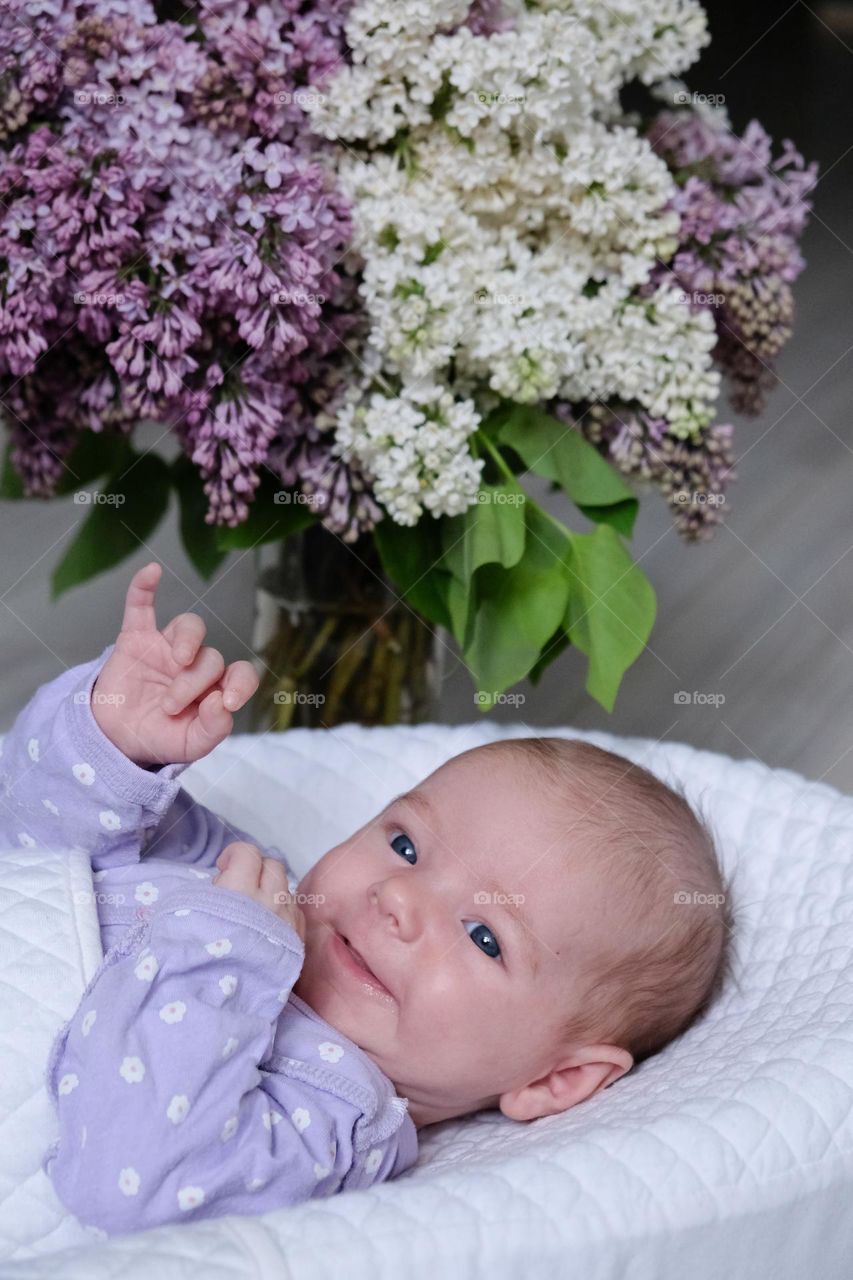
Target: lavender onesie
pixel 190 1082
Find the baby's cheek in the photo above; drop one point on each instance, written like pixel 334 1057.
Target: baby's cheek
pixel 451 1010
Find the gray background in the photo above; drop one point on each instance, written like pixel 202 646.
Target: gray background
pixel 763 614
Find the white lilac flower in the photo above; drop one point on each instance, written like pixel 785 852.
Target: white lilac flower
pixel 414 447
pixel 477 258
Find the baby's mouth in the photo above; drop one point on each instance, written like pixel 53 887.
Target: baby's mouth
pixel 359 965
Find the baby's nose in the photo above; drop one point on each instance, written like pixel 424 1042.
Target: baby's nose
pixel 397 902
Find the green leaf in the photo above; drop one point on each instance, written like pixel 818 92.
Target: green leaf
pixel 11 485
pixel 611 610
pixel 131 508
pixel 518 609
pixel 274 514
pixel 491 531
pixel 561 454
pixel 550 650
pixel 459 601
pixel 411 557
pixel 199 538
pixel 95 454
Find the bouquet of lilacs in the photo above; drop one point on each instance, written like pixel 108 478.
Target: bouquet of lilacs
pixel 391 259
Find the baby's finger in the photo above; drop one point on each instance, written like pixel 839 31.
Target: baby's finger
pixel 274 878
pixel 192 683
pixel 185 633
pixel 139 611
pixel 211 726
pixel 238 684
pixel 243 871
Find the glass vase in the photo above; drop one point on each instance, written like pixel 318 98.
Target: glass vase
pixel 333 641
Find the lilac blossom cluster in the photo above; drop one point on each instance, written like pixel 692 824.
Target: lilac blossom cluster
pixel 742 215
pixel 170 234
pixel 205 221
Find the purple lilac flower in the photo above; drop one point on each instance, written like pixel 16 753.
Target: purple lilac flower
pixel 486 18
pixel 742 215
pixel 170 235
pixel 692 474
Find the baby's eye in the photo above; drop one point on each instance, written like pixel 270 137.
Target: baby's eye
pixel 402 844
pixel 484 938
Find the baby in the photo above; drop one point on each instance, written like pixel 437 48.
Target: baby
pixel 516 932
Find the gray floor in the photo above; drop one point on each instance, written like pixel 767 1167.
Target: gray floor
pixel 763 614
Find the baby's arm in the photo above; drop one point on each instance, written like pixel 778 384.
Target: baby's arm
pixel 94 756
pixel 62 782
pixel 164 1112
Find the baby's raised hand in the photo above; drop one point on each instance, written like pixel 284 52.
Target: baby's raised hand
pixel 162 697
pixel 244 868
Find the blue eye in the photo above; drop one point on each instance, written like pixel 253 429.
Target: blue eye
pixel 486 940
pixel 402 844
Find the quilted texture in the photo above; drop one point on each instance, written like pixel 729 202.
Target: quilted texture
pixel 49 949
pixel 730 1153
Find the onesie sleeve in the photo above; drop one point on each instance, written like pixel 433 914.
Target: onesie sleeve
pixel 63 782
pixel 165 1113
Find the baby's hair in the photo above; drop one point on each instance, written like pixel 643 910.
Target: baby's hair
pixel 664 874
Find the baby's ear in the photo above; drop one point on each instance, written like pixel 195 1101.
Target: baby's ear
pixel 578 1076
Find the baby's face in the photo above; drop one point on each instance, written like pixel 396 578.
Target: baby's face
pixel 476 920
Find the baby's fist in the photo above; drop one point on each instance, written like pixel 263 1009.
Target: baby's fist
pixel 243 868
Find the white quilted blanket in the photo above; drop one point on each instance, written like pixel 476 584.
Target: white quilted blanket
pixel 729 1154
